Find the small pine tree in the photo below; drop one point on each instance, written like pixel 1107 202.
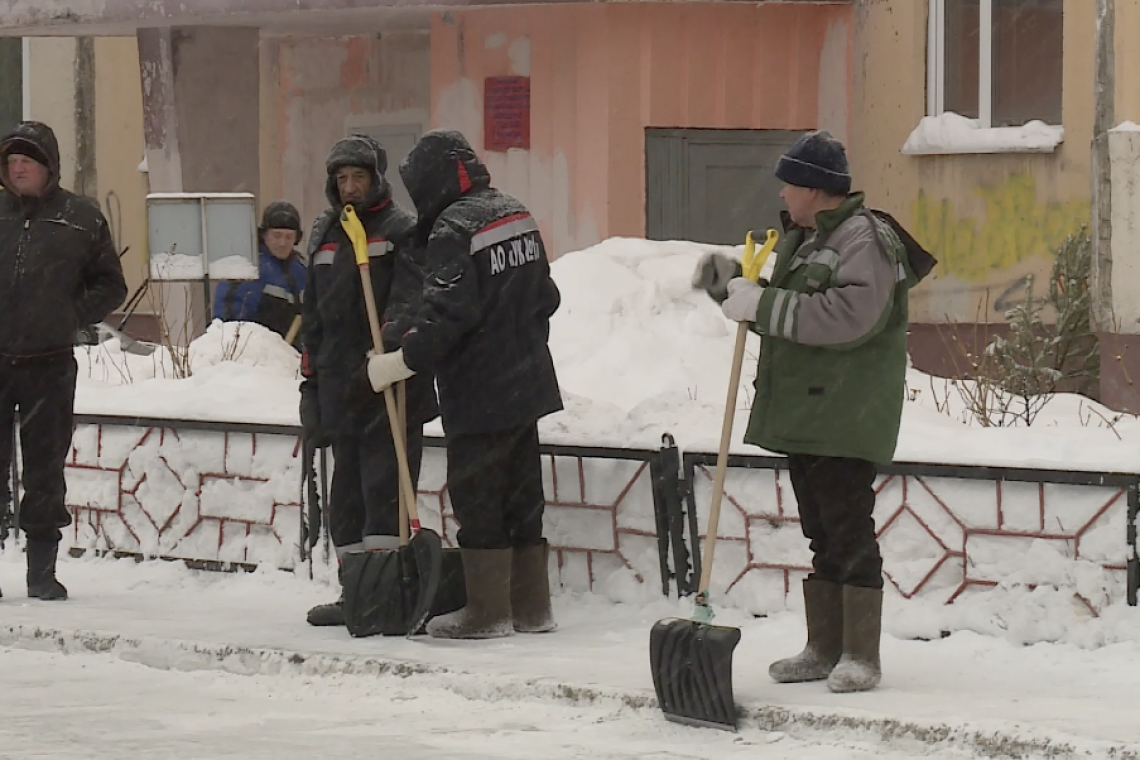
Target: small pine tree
pixel 1038 359
pixel 1076 351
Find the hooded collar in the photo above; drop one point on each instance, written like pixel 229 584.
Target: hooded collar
pixel 440 170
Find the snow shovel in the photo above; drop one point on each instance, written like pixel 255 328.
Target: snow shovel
pixel 691 660
pixel 420 557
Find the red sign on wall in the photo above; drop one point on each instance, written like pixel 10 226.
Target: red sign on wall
pixel 506 113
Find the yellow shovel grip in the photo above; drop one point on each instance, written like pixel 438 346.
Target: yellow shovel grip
pixel 753 261
pixel 356 234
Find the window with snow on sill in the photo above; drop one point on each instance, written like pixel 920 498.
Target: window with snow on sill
pixel 952 134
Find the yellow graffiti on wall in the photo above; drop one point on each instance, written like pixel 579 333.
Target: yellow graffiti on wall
pixel 1017 227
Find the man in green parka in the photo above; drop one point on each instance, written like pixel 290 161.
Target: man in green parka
pixel 829 393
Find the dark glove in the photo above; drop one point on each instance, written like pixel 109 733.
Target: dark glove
pixel 713 273
pixel 311 416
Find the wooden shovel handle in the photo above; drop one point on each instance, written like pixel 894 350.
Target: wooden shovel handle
pixel 722 461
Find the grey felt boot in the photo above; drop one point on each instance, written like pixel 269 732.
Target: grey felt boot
pixel 487 575
pixel 859 668
pixel 823 608
pixel 530 590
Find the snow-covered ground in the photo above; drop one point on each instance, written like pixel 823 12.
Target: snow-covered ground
pixel 111 710
pixel 965 692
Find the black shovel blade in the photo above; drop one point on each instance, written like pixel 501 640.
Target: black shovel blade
pixel 426 549
pixel 692 672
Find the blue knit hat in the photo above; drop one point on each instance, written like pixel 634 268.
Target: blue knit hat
pixel 816 160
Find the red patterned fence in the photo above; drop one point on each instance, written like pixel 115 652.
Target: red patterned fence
pixel 217 495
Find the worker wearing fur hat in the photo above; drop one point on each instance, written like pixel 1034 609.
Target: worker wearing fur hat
pixel 275 298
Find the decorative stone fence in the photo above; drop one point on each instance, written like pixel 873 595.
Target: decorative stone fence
pixel 227 494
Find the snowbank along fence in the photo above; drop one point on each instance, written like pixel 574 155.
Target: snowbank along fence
pixel 225 494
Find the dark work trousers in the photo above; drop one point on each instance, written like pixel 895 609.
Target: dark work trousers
pixel 495 484
pixel 836 502
pixel 43 389
pixel 365 497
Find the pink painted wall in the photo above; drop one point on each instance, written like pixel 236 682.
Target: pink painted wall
pixel 601 74
pixel 329 86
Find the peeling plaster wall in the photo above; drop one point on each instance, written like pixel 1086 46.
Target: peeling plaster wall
pixel 52 64
pixel 990 219
pixel 601 74
pixel 119 148
pixel 328 86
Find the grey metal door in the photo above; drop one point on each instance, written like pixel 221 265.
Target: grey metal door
pixel 397 142
pixel 712 185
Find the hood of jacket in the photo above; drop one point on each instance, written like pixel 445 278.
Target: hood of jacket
pixel 440 170
pixel 34 139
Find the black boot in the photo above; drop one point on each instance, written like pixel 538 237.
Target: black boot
pixel 41 572
pixel 330 614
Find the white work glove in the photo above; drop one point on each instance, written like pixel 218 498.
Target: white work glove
pixel 385 370
pixel 743 300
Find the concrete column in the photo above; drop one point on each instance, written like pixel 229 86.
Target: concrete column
pixel 201 121
pixel 217 100
pixel 160 119
pixel 1119 332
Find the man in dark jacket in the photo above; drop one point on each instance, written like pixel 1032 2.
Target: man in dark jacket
pixel 274 299
pixel 482 329
pixel 337 406
pixel 829 394
pixel 59 271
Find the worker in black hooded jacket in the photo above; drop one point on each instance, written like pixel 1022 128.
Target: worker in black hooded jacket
pixel 59 271
pixel 337 405
pixel 482 328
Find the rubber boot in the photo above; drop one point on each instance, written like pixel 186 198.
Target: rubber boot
pixel 823 609
pixel 530 590
pixel 487 576
pixel 41 572
pixel 330 614
pixel 859 668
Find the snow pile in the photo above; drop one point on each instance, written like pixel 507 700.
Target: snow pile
pixel 639 344
pixel 951 133
pixel 183 266
pixel 1043 596
pixel 240 372
pixel 246 344
pixel 235 267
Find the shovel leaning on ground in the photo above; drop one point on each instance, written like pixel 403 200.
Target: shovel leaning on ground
pixel 397 588
pixel 691 660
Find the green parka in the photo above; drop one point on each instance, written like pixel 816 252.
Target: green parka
pixel 831 375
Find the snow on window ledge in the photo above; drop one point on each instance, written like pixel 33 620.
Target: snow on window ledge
pixel 952 134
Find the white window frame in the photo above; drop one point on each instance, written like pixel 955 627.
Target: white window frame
pixel 936 62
